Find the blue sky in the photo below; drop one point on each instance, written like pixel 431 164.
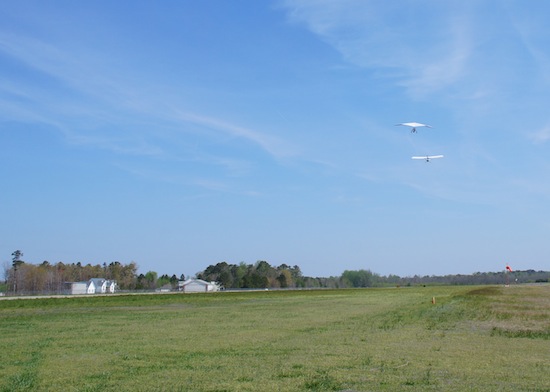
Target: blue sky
pixel 179 134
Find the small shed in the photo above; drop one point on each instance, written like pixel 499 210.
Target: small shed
pixel 165 289
pixel 198 286
pixel 77 287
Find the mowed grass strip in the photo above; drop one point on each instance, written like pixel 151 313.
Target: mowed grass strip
pixel 472 338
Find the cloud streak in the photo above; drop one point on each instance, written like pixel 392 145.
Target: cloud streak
pixel 541 136
pixel 92 90
pixel 387 35
pixel 272 145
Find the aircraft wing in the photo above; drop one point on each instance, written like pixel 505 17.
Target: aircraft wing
pixel 414 124
pixel 428 157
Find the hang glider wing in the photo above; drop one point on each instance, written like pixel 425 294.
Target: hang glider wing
pixel 414 125
pixel 427 157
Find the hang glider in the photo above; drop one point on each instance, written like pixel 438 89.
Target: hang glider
pixel 414 125
pixel 428 157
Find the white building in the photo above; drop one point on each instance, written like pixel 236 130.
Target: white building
pixel 92 286
pixel 100 286
pixel 197 286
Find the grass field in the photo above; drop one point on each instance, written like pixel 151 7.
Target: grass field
pixel 472 339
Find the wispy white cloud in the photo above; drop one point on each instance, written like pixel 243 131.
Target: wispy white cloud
pixel 541 136
pixel 272 145
pixel 88 88
pixel 70 70
pixel 191 180
pixel 394 37
pixel 119 146
pixel 447 67
pixel 532 29
pixel 224 187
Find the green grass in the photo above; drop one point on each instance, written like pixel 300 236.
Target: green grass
pixel 474 338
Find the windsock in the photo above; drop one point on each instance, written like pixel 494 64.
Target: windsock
pixel 508 268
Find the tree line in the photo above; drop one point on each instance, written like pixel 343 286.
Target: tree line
pixel 263 275
pixel 47 278
pixel 258 275
pixel 365 278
